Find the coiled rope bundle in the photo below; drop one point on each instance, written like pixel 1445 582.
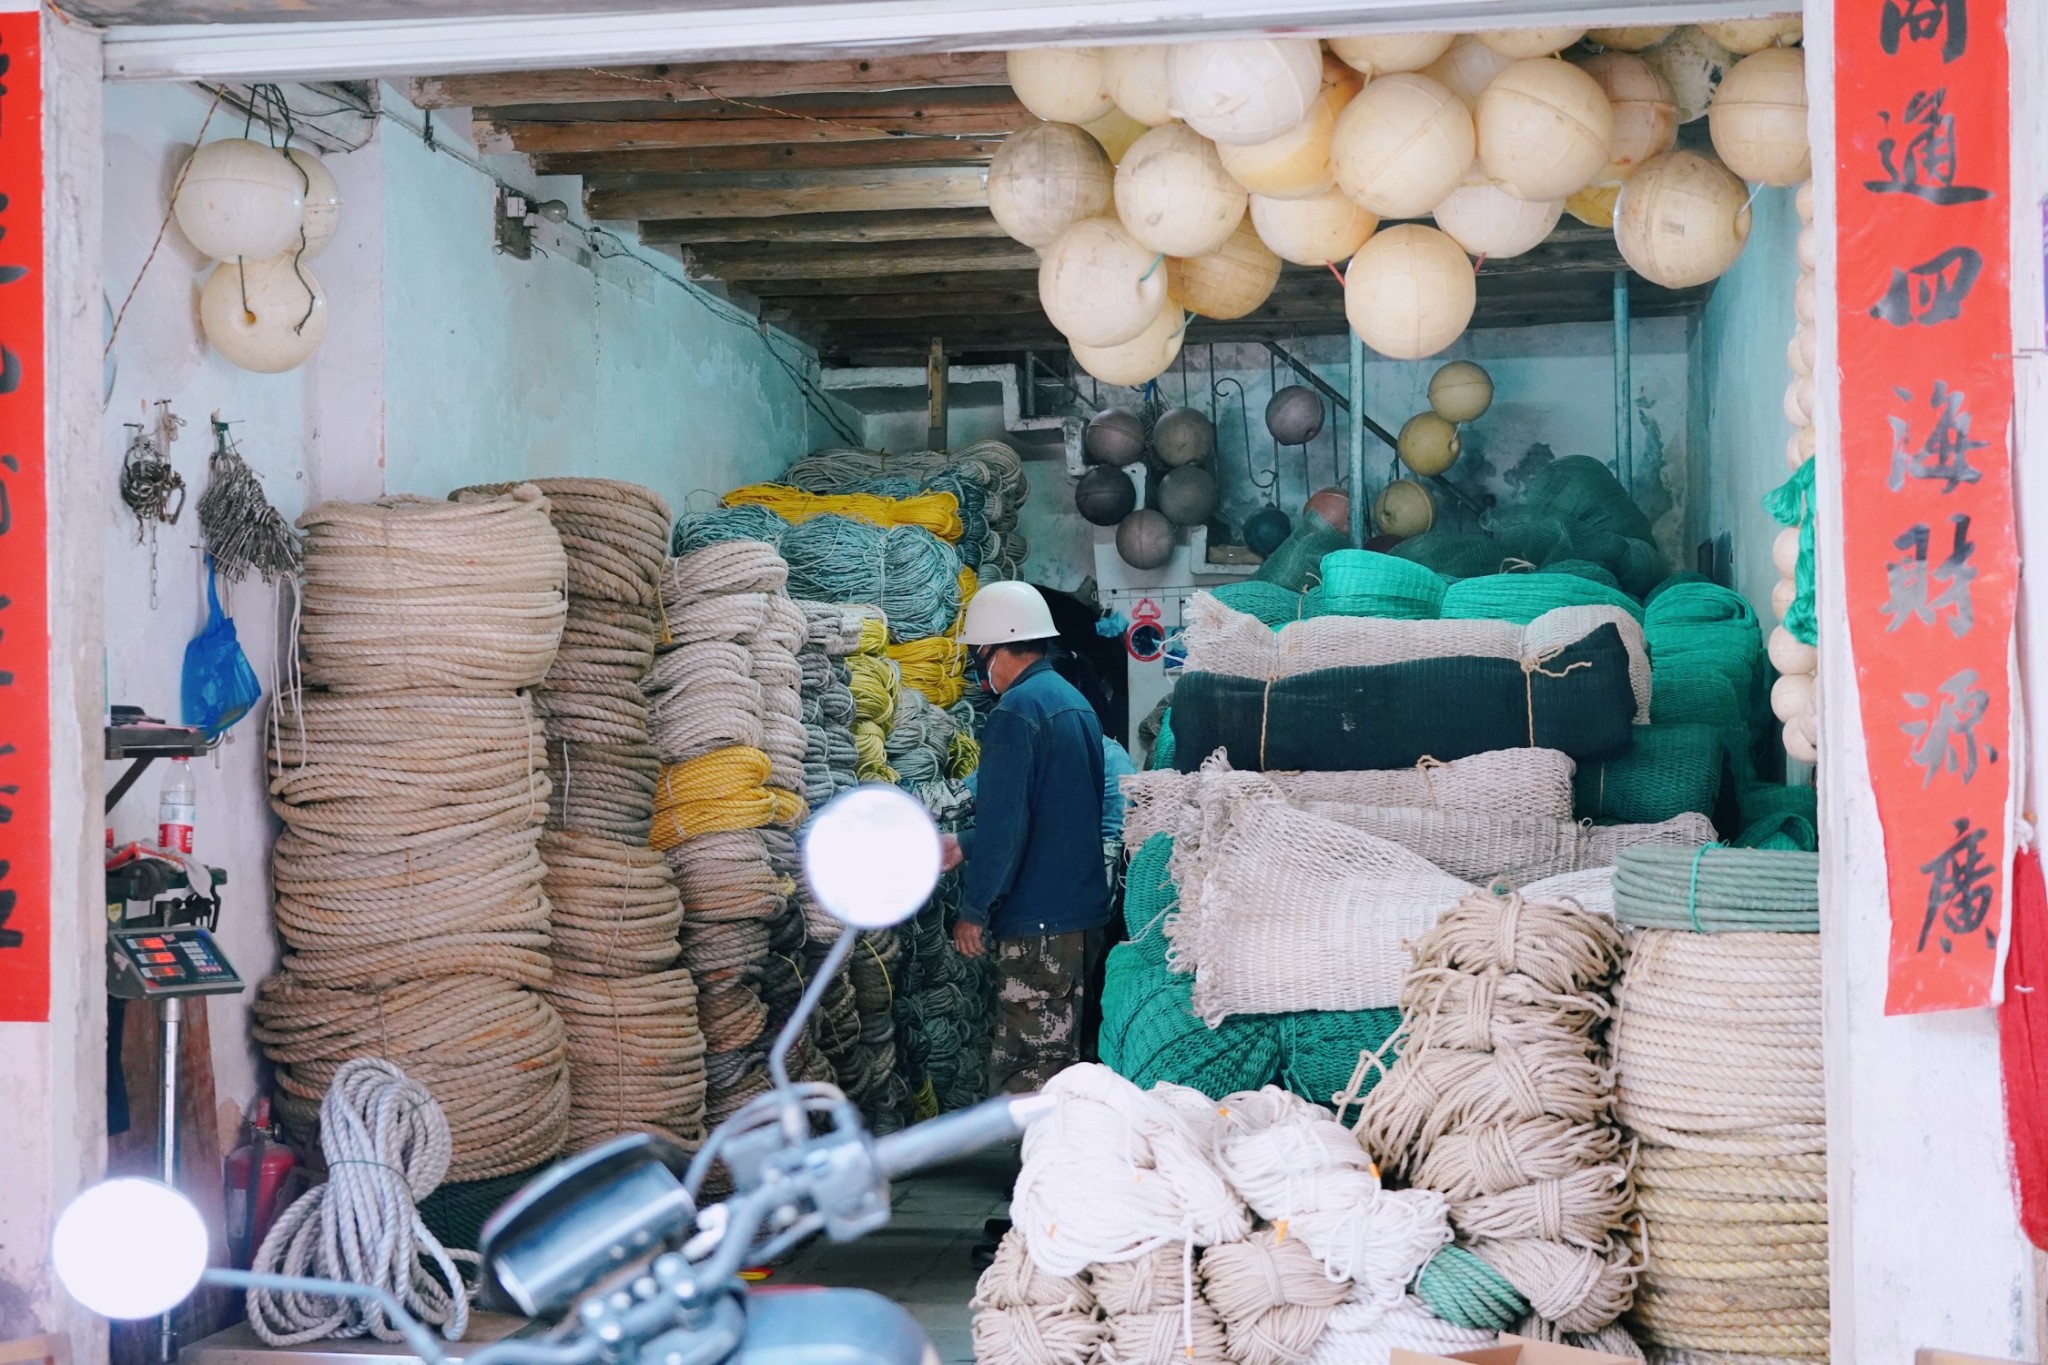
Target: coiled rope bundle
pixel 413 791
pixel 1502 1100
pixel 387 1147
pixel 986 478
pixel 908 572
pixel 938 513
pixel 726 714
pixel 636 1054
pixel 614 906
pixel 1718 1077
pixel 491 1053
pixel 411 593
pixel 1024 1316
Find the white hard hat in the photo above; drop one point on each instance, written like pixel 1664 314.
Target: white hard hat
pixel 1002 612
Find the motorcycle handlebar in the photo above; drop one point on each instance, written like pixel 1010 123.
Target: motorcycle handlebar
pixel 954 1135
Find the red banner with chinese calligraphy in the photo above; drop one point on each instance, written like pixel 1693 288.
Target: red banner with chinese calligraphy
pixel 1922 202
pixel 24 575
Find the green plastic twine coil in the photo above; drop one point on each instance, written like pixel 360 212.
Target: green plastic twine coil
pixel 1718 890
pixel 1791 504
pixel 1522 597
pixel 1464 1290
pixel 1366 583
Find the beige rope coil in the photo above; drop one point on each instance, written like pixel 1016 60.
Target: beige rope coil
pixel 636 1054
pixel 594 713
pixel 492 1054
pixel 1718 1070
pixel 1717 1042
pixel 615 911
pixel 616 534
pixel 1024 1316
pixel 605 639
pixel 728 876
pixel 1502 1100
pixel 603 789
pixel 409 593
pixel 1272 1295
pixel 731 568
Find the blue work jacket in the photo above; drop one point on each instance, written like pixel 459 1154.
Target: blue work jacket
pixel 1034 863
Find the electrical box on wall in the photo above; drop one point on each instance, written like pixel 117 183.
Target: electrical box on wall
pixel 514 225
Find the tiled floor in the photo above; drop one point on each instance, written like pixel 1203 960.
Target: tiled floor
pixel 921 1259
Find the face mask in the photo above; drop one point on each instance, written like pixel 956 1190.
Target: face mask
pixel 979 666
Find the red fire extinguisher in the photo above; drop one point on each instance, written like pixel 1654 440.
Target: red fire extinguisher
pixel 255 1172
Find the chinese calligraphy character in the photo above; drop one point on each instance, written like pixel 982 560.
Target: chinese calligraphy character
pixel 1926 167
pixel 1945 454
pixel 1957 890
pixel 1927 594
pixel 1933 291
pixel 9 938
pixel 1947 740
pixel 1919 20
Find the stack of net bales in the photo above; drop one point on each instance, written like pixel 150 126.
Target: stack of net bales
pixel 1502 1100
pixel 1718 1080
pixel 1574 514
pixel 725 704
pixel 636 1054
pixel 409 773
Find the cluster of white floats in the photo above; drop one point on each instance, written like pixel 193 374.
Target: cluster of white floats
pixel 1792 696
pixel 261 212
pixel 1170 180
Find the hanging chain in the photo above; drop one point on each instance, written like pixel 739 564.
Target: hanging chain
pixel 151 487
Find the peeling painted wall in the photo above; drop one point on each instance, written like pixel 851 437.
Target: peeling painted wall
pixel 445 363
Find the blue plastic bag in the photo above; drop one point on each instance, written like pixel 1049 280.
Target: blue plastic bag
pixel 219 686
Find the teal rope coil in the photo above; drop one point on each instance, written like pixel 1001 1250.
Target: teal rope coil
pixel 908 572
pixel 1460 1288
pixel 1718 890
pixel 695 530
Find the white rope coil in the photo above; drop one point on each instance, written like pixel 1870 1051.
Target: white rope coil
pixel 387 1147
pixel 1363 1333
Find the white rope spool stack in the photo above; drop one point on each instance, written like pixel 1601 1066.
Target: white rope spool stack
pixel 636 1053
pixel 408 771
pixel 1170 1227
pixel 1502 1100
pixel 724 698
pixel 1718 1080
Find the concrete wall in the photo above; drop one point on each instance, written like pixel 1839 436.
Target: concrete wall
pixel 446 363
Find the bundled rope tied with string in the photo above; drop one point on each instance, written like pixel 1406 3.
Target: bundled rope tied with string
pixel 387 1147
pixel 492 1055
pixel 605 789
pixel 721 791
pixel 416 593
pixel 408 848
pixel 636 1055
pixel 1718 1077
pixel 615 533
pixel 1272 1295
pixel 613 906
pixel 1502 1099
pixel 1157 1314
pixel 1025 1316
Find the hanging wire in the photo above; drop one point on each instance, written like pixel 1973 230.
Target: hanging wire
pixel 152 488
pixel 238 526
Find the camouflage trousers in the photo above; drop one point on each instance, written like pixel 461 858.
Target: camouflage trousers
pixel 1038 1008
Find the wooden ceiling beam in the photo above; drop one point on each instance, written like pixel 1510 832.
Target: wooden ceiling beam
pixel 812 229
pixel 778 194
pixel 700 80
pixel 633 170
pixel 503 136
pixel 859 261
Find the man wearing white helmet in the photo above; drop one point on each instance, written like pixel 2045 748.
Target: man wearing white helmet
pixel 1034 892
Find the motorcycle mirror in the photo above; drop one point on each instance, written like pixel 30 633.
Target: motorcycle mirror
pixel 129 1248
pixel 872 856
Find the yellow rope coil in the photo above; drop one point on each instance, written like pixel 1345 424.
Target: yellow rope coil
pixel 725 789
pixel 874 636
pixel 963 755
pixel 970 584
pixel 871 743
pixel 875 681
pixel 938 513
pixel 936 667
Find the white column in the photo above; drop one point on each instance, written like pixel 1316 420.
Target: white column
pixel 52 1075
pixel 1925 1248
